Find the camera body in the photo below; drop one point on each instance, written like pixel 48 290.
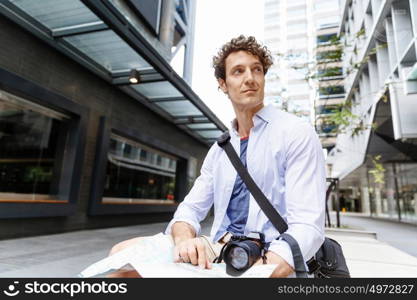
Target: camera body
pixel 241 252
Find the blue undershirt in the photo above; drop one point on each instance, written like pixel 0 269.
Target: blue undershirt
pixel 238 208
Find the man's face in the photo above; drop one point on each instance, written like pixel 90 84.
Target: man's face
pixel 245 80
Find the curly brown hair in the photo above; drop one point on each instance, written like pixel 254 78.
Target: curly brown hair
pixel 244 43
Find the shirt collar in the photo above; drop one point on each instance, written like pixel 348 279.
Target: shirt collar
pixel 262 116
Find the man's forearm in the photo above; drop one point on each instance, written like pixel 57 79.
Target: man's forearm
pixel 182 231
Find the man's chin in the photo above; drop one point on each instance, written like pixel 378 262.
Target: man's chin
pixel 253 101
pixel 249 102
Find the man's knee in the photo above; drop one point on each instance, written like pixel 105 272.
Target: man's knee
pixel 123 245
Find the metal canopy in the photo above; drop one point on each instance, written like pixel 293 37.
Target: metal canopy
pixel 101 38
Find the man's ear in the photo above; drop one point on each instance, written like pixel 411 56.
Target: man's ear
pixel 222 85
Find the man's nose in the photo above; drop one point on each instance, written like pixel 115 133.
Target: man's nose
pixel 249 77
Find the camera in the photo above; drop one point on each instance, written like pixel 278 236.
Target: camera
pixel 241 252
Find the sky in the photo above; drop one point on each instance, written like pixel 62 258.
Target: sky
pixel 216 22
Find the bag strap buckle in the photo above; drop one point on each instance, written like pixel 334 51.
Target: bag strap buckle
pixel 313 265
pixel 223 139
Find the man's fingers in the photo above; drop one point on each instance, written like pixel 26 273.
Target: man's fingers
pixel 208 264
pixel 184 255
pixel 192 254
pixel 177 257
pixel 201 254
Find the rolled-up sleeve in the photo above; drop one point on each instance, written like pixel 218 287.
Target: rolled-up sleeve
pixel 199 200
pixel 305 189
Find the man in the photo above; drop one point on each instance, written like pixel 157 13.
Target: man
pixel 281 152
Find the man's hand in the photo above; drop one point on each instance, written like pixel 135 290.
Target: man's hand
pixel 188 248
pixel 192 251
pixel 282 270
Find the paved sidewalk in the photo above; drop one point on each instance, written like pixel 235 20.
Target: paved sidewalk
pixel 399 235
pixel 65 255
pixel 368 257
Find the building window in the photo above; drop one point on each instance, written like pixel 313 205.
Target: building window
pixel 296 3
pixel 396 196
pixel 328 22
pixel 42 138
pixel 137 173
pixel 296 13
pixel 329 56
pixel 296 27
pixel 326 5
pixel 331 90
pixel 298 88
pixel 330 73
pixel 327 109
pixel 33 141
pixel 325 127
pixel 326 38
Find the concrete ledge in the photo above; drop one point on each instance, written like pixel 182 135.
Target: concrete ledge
pixel 351 233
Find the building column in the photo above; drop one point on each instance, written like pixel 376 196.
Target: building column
pixel 378 201
pixel 365 197
pixel 390 192
pixel 415 203
pixel 365 200
pixel 167 27
pixel 189 47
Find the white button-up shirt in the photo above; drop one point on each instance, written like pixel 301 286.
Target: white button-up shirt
pixel 285 159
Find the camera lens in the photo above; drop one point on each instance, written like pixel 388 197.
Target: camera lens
pixel 238 258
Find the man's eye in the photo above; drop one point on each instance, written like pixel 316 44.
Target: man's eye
pixel 237 71
pixel 258 69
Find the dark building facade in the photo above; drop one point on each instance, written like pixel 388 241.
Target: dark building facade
pixel 96 128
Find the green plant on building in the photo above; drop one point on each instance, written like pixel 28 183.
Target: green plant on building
pixel 378 170
pixel 348 122
pixel 322 65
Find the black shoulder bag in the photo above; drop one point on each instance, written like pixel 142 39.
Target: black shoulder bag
pixel 329 260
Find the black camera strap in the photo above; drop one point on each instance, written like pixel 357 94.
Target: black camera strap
pixel 266 206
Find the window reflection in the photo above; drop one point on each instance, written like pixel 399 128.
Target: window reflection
pixel 400 181
pixel 137 173
pixel 33 140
